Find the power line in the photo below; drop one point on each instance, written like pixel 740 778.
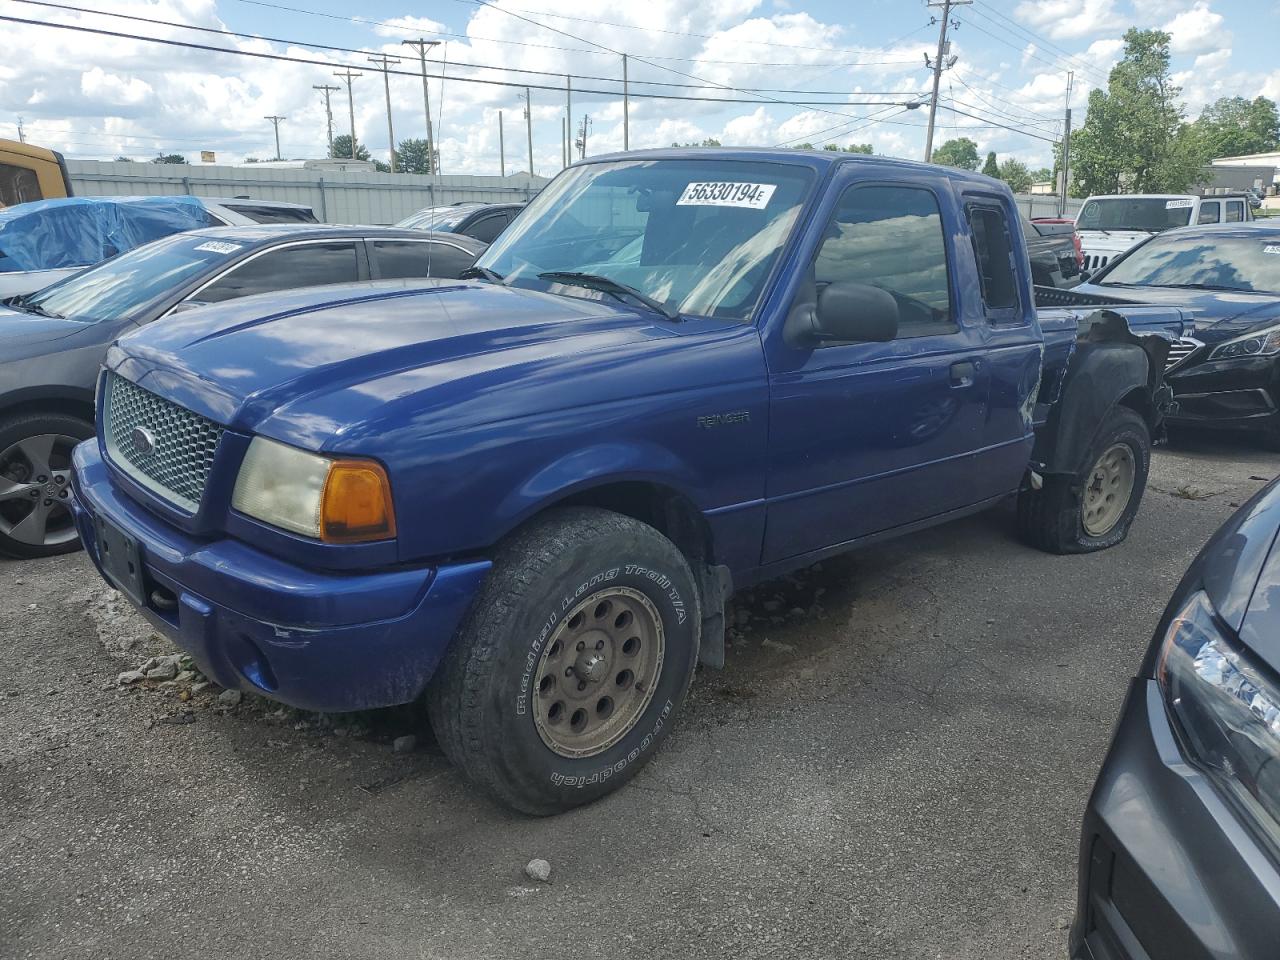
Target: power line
pixel 993 123
pixel 1023 114
pixel 1011 25
pixel 285 58
pixel 1059 62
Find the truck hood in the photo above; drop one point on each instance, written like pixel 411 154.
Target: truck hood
pixel 1217 314
pixel 273 363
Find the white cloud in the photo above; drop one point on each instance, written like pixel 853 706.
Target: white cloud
pixel 1197 30
pixel 1069 19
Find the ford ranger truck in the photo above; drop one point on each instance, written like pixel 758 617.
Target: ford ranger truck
pixel 526 496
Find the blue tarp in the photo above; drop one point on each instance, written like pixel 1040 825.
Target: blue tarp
pixel 79 231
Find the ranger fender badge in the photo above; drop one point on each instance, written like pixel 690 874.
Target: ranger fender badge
pixel 724 419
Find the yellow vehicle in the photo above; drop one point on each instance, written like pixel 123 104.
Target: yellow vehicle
pixel 30 173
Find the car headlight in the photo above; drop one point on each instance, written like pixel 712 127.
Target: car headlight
pixel 1263 343
pixel 335 500
pixel 1227 708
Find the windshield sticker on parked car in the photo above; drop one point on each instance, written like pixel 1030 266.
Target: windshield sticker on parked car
pixel 724 194
pixel 1272 248
pixel 218 246
pixel 1179 204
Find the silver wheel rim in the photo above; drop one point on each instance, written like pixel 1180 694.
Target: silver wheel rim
pixel 1109 487
pixel 598 672
pixel 35 487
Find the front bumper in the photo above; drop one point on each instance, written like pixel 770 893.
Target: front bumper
pixel 1228 394
pixel 1168 869
pixel 312 639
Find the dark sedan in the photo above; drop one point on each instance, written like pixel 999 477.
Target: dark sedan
pixel 1226 372
pixel 483 221
pixel 1180 852
pixel 52 341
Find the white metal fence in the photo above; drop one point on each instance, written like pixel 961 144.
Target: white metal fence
pixel 1045 205
pixel 374 198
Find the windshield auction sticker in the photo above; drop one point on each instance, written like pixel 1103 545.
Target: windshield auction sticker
pixel 1179 204
pixel 724 194
pixel 218 246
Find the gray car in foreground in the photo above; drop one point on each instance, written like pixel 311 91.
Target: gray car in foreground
pixel 1180 853
pixel 52 341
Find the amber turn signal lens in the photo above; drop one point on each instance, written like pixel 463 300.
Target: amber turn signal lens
pixel 357 503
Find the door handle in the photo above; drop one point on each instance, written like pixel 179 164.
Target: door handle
pixel 963 373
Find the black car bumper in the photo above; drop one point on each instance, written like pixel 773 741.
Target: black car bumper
pixel 1168 869
pixel 1228 394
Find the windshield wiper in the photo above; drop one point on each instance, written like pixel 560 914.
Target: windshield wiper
pixel 481 273
pixel 1202 286
pixel 594 281
pixel 21 302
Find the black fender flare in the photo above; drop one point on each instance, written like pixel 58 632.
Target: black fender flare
pixel 1110 364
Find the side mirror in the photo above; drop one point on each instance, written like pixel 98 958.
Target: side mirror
pixel 855 311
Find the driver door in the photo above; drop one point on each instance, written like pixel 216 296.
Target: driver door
pixel 865 437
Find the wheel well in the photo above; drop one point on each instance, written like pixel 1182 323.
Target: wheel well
pixel 66 405
pixel 1139 400
pixel 669 512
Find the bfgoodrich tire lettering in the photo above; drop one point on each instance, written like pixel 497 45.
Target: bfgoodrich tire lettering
pixel 1054 517
pixel 485 703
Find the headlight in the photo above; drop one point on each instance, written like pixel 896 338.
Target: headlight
pixel 1227 708
pixel 1261 344
pixel 339 501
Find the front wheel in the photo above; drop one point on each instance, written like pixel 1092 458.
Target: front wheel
pixel 1094 510
pixel 35 483
pixel 573 661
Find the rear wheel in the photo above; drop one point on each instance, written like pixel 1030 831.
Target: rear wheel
pixel 1094 510
pixel 573 662
pixel 35 483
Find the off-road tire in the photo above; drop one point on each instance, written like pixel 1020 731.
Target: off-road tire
pixel 482 699
pixel 1052 518
pixel 19 427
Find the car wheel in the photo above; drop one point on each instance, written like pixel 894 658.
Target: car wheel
pixel 35 483
pixel 573 661
pixel 1094 510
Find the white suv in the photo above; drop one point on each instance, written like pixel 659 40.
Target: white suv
pixel 1109 225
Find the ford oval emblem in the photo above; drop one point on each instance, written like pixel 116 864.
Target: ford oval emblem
pixel 143 441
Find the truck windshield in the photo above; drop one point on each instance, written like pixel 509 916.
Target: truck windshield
pixel 1212 261
pixel 117 288
pixel 698 236
pixel 1149 214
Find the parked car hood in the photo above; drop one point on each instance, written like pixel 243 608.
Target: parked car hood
pixel 1250 552
pixel 306 365
pixel 1218 314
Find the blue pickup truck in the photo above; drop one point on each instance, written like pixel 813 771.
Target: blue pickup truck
pixel 527 495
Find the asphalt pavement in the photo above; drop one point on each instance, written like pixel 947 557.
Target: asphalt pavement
pixel 892 765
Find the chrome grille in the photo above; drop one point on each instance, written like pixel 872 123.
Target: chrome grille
pixel 1179 350
pixel 165 447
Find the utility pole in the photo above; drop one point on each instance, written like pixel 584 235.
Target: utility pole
pixel 626 108
pixel 327 89
pixel 568 119
pixel 564 144
pixel 348 75
pixel 385 62
pixel 421 46
pixel 941 62
pixel 275 122
pixel 1065 162
pixel 582 144
pixel 22 134
pixel 502 148
pixel 527 97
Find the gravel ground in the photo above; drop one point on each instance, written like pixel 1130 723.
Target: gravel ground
pixel 893 764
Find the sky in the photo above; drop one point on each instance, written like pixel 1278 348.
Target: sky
pixel 862 61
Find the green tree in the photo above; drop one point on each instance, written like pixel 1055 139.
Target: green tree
pixel 124 159
pixel 1233 126
pixel 708 142
pixel 961 154
pixel 1016 175
pixel 1135 139
pixel 849 148
pixel 991 168
pixel 341 149
pixel 170 158
pixel 1043 175
pixel 412 156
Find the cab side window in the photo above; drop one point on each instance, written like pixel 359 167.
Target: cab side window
pixel 408 259
pixel 18 185
pixel 1235 211
pixel 993 249
pixel 892 238
pixel 488 228
pixel 307 265
pixel 1210 212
